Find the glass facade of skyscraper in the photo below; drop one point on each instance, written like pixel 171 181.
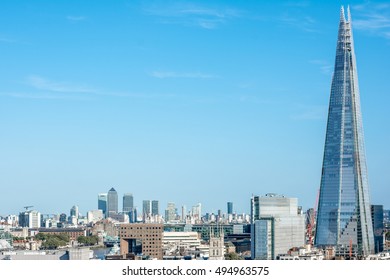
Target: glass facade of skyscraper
pixel 230 207
pixel 102 202
pixel 378 227
pixel 128 202
pixel 112 202
pixel 262 239
pixel 155 208
pixel 146 208
pixel 344 215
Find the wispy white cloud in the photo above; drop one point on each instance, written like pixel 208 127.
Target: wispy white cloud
pixel 43 88
pixel 146 95
pixel 211 12
pixel 193 75
pixel 304 23
pixel 246 85
pixel 58 95
pixel 373 22
pixel 295 15
pixel 42 83
pixel 209 23
pixel 11 40
pixel 309 112
pixel 6 40
pixel 373 18
pixel 188 9
pixel 299 4
pixel 325 67
pixel 76 18
pixel 189 14
pixel 40 95
pixel 369 5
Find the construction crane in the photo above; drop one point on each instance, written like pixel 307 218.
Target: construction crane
pixel 311 223
pixel 350 248
pixel 26 207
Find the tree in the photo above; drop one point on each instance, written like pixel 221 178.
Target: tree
pixel 88 240
pixel 52 241
pixel 63 237
pixel 82 239
pixel 232 256
pixel 16 238
pixel 40 236
pixel 94 239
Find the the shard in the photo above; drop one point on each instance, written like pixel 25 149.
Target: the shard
pixel 344 214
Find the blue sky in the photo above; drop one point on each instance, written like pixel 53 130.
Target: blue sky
pixel 182 101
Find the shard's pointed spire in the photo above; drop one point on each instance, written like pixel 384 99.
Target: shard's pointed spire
pixel 342 15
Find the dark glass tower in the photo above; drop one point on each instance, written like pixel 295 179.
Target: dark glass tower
pixel 128 202
pixel 155 208
pixel 112 203
pixel 102 202
pixel 344 214
pixel 230 207
pixel 378 227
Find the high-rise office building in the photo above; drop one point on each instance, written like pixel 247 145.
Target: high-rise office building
pixel 230 208
pixel 277 225
pixel 197 211
pixel 74 211
pixel 102 202
pixel 133 215
pixel 344 214
pixel 146 209
pixel 30 219
pixel 386 216
pixel 155 208
pixel 74 215
pixel 112 203
pixel 255 208
pixel 128 202
pixel 63 218
pixel 183 213
pixel 170 212
pixel 378 227
pixel 219 216
pixel 94 216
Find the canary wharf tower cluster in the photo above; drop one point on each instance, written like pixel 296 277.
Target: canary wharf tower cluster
pixel 344 214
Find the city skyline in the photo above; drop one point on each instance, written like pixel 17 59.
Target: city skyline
pixel 182 102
